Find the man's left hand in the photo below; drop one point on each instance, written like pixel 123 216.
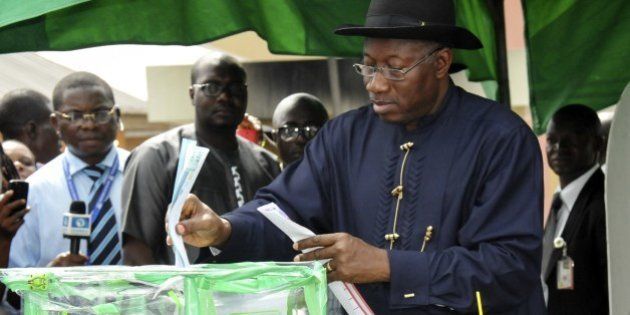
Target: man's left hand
pixel 10 217
pixel 351 259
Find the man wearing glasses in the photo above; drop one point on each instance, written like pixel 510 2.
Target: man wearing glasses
pixel 232 172
pixel 90 170
pixel 296 120
pixel 429 199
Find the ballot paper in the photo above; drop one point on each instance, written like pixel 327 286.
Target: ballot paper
pixel 191 159
pixel 347 294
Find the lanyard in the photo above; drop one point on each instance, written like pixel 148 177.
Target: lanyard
pixel 100 201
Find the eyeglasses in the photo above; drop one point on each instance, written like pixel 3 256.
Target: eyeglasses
pixel 101 116
pixel 291 133
pixel 390 73
pixel 212 89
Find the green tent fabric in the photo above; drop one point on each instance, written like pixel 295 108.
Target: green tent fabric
pixel 475 16
pixel 301 27
pixel 291 26
pixel 482 63
pixel 577 53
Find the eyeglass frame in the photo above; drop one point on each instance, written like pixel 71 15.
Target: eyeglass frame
pixel 403 71
pixel 301 131
pixel 221 89
pixel 86 116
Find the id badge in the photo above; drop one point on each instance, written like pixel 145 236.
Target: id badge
pixel 565 273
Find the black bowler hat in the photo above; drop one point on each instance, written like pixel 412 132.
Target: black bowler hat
pixel 432 20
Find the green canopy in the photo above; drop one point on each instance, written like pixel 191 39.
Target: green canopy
pixel 290 26
pixel 301 27
pixel 576 49
pixel 578 53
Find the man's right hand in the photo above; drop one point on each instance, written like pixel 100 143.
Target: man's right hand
pixel 68 260
pixel 199 226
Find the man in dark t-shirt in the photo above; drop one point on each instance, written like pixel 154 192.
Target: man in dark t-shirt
pixel 232 172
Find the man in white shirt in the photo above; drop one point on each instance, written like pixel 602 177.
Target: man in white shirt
pixel 90 170
pixel 574 244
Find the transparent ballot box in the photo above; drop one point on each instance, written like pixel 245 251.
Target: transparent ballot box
pixel 241 288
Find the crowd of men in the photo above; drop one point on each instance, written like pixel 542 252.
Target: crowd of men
pixel 422 198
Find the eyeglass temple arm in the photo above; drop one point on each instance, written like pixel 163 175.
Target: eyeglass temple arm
pixel 89 115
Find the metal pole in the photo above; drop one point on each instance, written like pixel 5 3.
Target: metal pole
pixel 334 85
pixel 498 16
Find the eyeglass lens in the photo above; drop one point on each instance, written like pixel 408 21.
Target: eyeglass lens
pixel 389 73
pixel 369 71
pixel 100 116
pixel 214 88
pixel 291 133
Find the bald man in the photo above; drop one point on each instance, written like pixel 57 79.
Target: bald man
pixel 233 171
pixel 296 120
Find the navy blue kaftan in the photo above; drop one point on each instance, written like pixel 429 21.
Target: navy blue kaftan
pixel 474 174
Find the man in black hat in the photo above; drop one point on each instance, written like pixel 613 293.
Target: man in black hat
pixel 423 198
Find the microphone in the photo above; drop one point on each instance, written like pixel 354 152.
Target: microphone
pixel 76 225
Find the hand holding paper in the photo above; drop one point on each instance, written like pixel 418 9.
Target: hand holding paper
pixel 351 259
pixel 200 226
pixel 310 244
pixel 191 159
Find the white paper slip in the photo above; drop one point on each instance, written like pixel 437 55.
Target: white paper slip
pixel 191 159
pixel 347 294
pixel 181 161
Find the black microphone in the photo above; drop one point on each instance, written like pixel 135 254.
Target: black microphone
pixel 76 225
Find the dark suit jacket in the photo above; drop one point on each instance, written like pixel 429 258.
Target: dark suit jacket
pixel 585 234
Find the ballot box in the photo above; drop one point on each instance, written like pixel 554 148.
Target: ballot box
pixel 263 288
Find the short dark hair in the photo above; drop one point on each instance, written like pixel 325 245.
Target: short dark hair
pixel 18 107
pixel 83 80
pixel 218 61
pixel 581 118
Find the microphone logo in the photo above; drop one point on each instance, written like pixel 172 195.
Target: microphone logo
pixel 76 225
pixel 80 222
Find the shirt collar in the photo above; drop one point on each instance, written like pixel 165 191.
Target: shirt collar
pixel 76 164
pixel 571 192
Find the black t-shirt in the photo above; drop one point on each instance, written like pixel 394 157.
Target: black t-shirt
pixel 227 179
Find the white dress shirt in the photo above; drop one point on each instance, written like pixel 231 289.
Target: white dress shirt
pixel 40 239
pixel 568 195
